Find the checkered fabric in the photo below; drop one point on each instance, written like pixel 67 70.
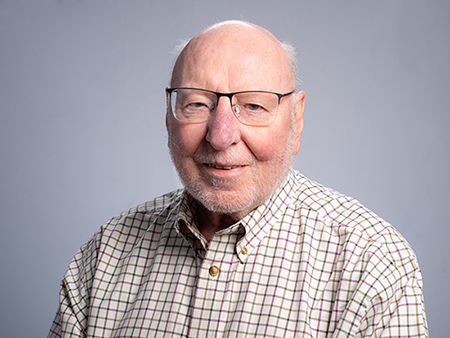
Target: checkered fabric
pixel 310 262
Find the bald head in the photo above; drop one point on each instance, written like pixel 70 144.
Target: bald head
pixel 237 47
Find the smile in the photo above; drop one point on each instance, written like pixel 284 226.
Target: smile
pixel 222 167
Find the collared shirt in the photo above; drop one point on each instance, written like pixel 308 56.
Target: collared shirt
pixel 309 262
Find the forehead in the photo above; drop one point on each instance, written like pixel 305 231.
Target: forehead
pixel 234 58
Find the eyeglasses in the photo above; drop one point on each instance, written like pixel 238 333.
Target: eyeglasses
pixel 253 108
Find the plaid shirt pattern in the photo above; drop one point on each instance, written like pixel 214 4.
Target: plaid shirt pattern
pixel 310 262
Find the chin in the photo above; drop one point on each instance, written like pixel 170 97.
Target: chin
pixel 234 197
pixel 227 202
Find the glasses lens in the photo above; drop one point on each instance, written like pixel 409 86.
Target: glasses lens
pixel 192 105
pixel 255 108
pixel 251 108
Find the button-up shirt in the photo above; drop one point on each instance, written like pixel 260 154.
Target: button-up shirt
pixel 309 262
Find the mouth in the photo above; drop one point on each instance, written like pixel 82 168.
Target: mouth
pixel 216 166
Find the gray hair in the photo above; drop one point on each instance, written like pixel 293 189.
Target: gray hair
pixel 291 54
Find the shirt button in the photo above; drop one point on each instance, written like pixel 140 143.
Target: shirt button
pixel 244 251
pixel 214 271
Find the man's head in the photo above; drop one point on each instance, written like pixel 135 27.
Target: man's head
pixel 228 166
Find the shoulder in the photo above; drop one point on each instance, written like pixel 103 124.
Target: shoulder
pixel 350 225
pixel 121 233
pixel 141 216
pixel 316 196
pixel 337 210
pixel 364 250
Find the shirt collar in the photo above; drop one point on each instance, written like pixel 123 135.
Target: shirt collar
pixel 254 227
pixel 259 222
pixel 185 223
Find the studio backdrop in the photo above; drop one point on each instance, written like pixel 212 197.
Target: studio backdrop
pixel 82 106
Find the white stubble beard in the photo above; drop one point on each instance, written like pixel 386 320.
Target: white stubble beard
pixel 249 197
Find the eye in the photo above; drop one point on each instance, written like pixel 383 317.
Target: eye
pixel 253 102
pixel 197 105
pixel 253 107
pixel 193 110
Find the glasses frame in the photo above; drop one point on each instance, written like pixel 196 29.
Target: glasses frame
pixel 169 91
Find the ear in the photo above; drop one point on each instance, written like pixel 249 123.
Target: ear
pixel 168 117
pixel 298 121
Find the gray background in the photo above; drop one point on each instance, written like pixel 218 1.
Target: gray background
pixel 82 124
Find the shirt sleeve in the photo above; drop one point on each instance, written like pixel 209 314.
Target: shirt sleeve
pixel 388 298
pixel 407 315
pixel 72 315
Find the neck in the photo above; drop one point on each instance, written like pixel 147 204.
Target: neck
pixel 210 222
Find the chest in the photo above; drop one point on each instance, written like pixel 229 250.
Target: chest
pixel 270 291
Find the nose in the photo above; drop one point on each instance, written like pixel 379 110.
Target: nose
pixel 223 126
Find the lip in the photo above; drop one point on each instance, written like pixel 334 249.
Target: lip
pixel 223 170
pixel 223 167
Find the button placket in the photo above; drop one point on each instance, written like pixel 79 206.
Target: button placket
pixel 214 280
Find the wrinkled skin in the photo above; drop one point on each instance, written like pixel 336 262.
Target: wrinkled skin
pixel 229 167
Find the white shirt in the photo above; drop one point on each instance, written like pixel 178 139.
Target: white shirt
pixel 309 262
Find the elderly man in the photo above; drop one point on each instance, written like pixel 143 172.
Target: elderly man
pixel 249 247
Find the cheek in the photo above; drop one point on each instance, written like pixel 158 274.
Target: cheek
pixel 185 139
pixel 268 146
